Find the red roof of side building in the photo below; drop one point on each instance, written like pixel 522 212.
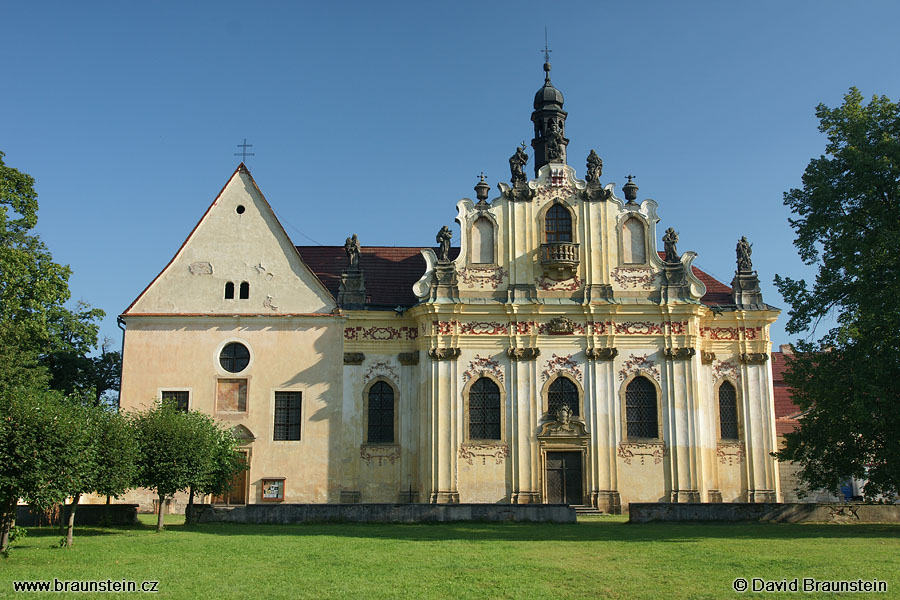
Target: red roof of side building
pixel 786 412
pixel 391 271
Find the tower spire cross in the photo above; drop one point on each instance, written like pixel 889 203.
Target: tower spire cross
pixel 547 49
pixel 243 153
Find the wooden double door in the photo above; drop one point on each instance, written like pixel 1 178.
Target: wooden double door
pixel 564 478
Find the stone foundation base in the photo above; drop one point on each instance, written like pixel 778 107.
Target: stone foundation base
pixel 608 501
pixel 643 512
pixel 714 495
pixel 444 498
pixel 685 496
pixel 350 497
pixel 526 498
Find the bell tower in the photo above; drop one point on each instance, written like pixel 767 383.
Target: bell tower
pixel 549 120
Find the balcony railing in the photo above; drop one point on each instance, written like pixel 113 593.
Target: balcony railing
pixel 559 259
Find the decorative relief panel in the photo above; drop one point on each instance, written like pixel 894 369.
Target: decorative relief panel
pixel 754 358
pixel 522 327
pixel 601 353
pixel 561 326
pixel 490 277
pixel 730 453
pixel 472 452
pixel 638 363
pixel 726 368
pixel 483 328
pixel 566 285
pixel 642 451
pixel 707 357
pixel 561 364
pixel 555 192
pixel 523 353
pixel 635 277
pixel 483 364
pixel 380 334
pixel 408 358
pixel 679 353
pixel 444 353
pixel 354 358
pixel 200 268
pixel 380 369
pixel 731 333
pixel 379 454
pixel 650 328
pixel 443 327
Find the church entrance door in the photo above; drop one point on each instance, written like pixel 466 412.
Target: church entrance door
pixel 564 478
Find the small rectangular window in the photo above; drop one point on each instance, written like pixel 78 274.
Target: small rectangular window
pixel 179 397
pixel 287 416
pixel 231 395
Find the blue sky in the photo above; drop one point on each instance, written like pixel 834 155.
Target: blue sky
pixel 376 118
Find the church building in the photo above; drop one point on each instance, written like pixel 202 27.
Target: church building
pixel 554 356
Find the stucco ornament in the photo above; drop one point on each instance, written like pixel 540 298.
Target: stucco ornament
pixel 638 364
pixel 642 451
pixel 200 268
pixel 561 364
pixel 381 369
pixel 481 365
pixel 472 452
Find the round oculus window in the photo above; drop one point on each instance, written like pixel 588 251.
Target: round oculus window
pixel 240 209
pixel 234 357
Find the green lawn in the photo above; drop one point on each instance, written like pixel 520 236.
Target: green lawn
pixel 601 557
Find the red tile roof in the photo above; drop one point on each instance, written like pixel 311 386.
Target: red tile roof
pixel 786 412
pixel 391 271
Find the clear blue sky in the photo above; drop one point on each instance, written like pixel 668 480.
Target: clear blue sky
pixel 376 118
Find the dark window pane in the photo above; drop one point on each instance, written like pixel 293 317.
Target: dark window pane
pixel 562 391
pixel 558 224
pixel 484 410
pixel 728 421
pixel 245 290
pixel 381 414
pixel 229 291
pixel 640 409
pixel 179 398
pixel 234 357
pixel 287 415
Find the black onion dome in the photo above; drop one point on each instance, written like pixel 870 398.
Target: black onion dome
pixel 547 94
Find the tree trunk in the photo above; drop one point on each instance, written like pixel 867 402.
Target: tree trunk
pixel 107 498
pixel 159 520
pixel 71 527
pixel 7 520
pixel 188 514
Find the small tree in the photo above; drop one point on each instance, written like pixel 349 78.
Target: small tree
pixel 224 462
pixel 44 451
pixel 107 463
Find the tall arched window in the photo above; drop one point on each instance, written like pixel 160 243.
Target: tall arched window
pixel 245 290
pixel 381 414
pixel 633 243
pixel 484 410
pixel 640 409
pixel 728 418
pixel 558 224
pixel 483 241
pixel 562 391
pixel 229 290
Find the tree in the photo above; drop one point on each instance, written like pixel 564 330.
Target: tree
pixel 181 451
pixel 848 225
pixel 44 448
pixel 224 462
pixel 74 372
pixel 105 458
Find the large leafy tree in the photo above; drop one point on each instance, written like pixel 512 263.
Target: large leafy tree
pixel 848 225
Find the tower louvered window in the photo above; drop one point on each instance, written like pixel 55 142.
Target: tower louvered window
pixel 562 392
pixel 558 224
pixel 640 409
pixel 728 418
pixel 381 414
pixel 484 410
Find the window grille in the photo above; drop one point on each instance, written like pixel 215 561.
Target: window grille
pixel 234 357
pixel 640 409
pixel 179 398
pixel 381 414
pixel 562 391
pixel 558 224
pixel 484 410
pixel 728 418
pixel 287 416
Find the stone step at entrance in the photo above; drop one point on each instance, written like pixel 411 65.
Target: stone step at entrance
pixel 584 510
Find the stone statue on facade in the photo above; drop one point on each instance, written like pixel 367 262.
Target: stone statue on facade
pixel 563 415
pixel 517 164
pixel 669 241
pixel 351 247
pixel 594 168
pixel 744 250
pixel 443 239
pixel 554 142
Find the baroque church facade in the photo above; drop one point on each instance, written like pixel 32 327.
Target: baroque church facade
pixel 554 356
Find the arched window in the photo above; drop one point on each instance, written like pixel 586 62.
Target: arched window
pixel 562 391
pixel 483 241
pixel 484 410
pixel 640 409
pixel 381 414
pixel 558 224
pixel 245 290
pixel 728 418
pixel 633 246
pixel 229 291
